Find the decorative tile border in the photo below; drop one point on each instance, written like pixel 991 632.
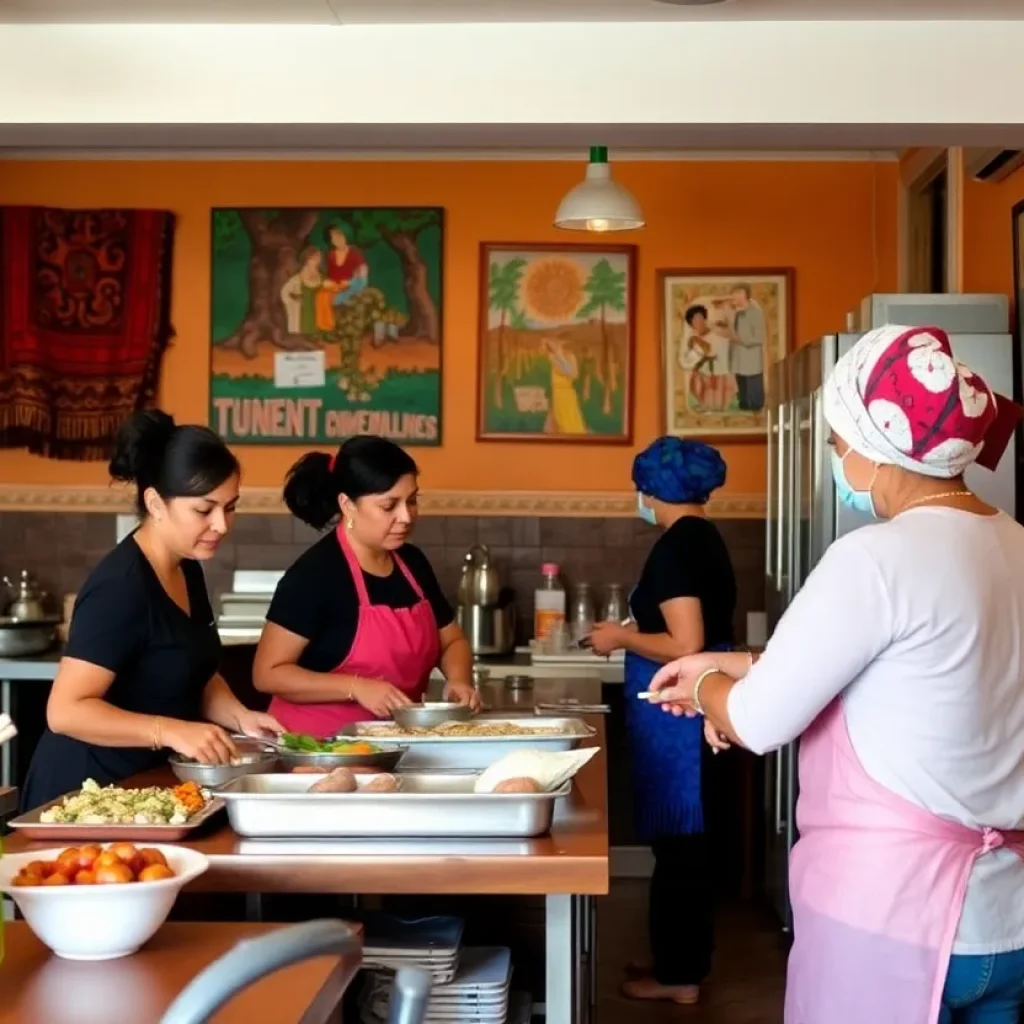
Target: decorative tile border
pixel 267 500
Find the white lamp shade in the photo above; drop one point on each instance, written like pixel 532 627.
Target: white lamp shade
pixel 599 204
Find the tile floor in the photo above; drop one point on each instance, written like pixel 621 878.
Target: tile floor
pixel 746 986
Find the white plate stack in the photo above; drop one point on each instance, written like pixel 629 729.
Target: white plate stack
pixel 480 993
pixel 430 943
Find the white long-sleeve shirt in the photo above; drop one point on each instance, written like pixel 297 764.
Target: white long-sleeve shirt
pixel 919 623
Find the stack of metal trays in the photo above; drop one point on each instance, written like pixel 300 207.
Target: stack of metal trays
pixel 430 943
pixel 480 993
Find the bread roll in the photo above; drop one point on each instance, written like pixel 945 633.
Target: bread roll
pixel 341 780
pixel 382 783
pixel 520 785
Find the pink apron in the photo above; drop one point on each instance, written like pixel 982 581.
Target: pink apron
pixel 877 885
pixel 397 645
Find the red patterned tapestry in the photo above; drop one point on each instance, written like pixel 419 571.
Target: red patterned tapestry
pixel 84 321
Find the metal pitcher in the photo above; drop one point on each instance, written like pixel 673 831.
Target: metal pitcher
pixel 27 599
pixel 482 585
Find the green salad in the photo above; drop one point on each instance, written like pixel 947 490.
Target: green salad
pixel 302 743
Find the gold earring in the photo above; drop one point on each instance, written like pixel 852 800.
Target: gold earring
pixel 349 524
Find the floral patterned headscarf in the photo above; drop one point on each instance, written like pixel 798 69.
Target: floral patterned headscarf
pixel 900 398
pixel 679 472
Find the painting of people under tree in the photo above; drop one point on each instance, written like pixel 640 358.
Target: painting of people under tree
pixel 556 343
pixel 721 332
pixel 326 323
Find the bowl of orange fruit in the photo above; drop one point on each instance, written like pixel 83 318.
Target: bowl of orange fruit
pixel 98 902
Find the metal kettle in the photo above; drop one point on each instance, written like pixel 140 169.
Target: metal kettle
pixel 28 599
pixel 479 583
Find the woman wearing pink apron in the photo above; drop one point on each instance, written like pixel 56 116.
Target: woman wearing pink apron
pixel 358 622
pixel 900 665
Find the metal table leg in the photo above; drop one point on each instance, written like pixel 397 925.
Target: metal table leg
pixel 7 759
pixel 565 1001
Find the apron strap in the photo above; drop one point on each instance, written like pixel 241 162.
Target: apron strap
pixel 417 589
pixel 357 570
pixel 354 567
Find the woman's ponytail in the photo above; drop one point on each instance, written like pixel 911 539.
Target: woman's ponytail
pixel 310 490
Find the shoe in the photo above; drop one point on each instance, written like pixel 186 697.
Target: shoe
pixel 649 989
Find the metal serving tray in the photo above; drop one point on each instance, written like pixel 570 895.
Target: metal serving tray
pixel 427 753
pixel 437 806
pixel 31 827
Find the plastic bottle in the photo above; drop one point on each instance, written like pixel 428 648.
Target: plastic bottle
pixel 548 603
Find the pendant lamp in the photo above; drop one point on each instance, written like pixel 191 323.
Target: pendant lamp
pixel 598 203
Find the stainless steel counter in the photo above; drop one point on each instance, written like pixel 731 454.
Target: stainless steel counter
pixel 41 666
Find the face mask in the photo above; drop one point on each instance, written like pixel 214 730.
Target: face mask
pixel 859 501
pixel 644 511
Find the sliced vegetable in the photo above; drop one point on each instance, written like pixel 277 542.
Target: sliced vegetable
pixel 303 743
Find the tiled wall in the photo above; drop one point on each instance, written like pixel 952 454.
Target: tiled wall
pixel 59 549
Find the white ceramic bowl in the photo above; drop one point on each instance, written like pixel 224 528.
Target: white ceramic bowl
pixel 98 922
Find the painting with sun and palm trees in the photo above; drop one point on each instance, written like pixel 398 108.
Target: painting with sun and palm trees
pixel 556 342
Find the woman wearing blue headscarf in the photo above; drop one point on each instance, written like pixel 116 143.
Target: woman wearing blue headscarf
pixel 683 602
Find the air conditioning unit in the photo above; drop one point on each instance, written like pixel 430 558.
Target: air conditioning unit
pixel 992 165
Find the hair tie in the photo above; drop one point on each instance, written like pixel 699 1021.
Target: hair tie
pixel 332 462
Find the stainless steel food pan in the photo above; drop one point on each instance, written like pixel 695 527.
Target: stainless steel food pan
pixel 213 775
pixel 426 716
pixel 386 760
pixel 436 806
pixel 427 753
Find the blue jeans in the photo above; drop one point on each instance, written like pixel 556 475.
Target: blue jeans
pixel 984 989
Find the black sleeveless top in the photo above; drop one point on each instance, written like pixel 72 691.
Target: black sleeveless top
pixel 162 659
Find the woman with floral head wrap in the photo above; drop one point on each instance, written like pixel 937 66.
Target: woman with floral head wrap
pixel 683 602
pixel 900 665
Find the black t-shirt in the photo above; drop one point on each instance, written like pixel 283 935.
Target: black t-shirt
pixel 689 559
pixel 162 659
pixel 317 599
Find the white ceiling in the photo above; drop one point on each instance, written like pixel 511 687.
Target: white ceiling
pixel 331 12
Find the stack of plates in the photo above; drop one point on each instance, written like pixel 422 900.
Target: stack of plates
pixel 430 943
pixel 479 994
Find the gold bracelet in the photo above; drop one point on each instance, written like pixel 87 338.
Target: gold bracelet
pixel 695 700
pixel 158 737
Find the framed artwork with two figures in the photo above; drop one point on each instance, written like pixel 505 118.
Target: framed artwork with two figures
pixel 721 332
pixel 326 322
pixel 556 341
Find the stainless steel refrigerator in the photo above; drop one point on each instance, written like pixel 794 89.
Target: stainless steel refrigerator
pixel 804 517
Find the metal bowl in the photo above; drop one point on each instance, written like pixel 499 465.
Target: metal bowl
pixel 257 762
pixel 385 759
pixel 431 715
pixel 21 638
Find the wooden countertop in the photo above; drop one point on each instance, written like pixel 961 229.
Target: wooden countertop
pixel 572 858
pixel 37 986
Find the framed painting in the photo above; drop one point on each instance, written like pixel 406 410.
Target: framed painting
pixel 721 330
pixel 556 343
pixel 326 323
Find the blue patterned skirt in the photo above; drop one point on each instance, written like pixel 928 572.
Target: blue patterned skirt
pixel 665 754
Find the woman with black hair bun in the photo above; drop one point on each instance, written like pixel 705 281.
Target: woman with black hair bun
pixel 139 672
pixel 359 621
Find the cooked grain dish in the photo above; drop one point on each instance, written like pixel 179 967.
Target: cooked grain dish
pixel 482 730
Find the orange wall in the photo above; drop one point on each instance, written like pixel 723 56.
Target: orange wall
pixel 988 234
pixel 834 222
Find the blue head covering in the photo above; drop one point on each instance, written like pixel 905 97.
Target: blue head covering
pixel 679 472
